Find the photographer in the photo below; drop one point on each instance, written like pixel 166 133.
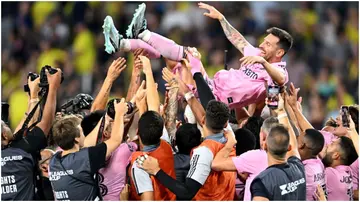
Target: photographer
pixel 20 151
pixel 71 172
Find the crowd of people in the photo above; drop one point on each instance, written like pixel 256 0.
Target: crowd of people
pixel 233 134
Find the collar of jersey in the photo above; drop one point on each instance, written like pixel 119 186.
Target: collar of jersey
pixel 219 137
pixel 150 148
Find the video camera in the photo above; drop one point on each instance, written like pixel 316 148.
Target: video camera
pixel 44 85
pixel 80 102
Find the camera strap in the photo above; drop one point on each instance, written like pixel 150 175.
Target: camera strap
pixel 101 130
pixel 23 131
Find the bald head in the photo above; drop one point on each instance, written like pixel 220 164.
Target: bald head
pixel 278 142
pixel 6 134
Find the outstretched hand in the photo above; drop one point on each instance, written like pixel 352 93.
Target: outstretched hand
pixel 115 69
pixel 213 13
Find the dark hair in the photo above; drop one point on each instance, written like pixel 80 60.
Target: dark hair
pixel 349 154
pixel 314 141
pixel 354 113
pixel 254 124
pixel 65 131
pixel 151 127
pixel 90 121
pixel 245 141
pixel 285 39
pixel 217 115
pixel 278 141
pixel 188 136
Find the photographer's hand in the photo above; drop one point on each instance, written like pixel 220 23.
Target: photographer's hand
pixel 54 81
pixel 34 88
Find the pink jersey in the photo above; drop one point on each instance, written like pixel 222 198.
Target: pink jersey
pixel 355 174
pixel 239 189
pixel 252 162
pixel 315 174
pixel 339 183
pixel 114 173
pixel 239 88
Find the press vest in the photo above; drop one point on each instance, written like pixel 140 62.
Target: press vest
pixel 76 181
pixel 17 175
pixel 285 182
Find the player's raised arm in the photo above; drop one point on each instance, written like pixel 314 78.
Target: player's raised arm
pixel 231 33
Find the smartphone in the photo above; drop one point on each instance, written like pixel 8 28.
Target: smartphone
pixel 273 92
pixel 344 116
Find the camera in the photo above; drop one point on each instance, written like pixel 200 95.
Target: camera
pixel 32 77
pixel 111 108
pixel 80 102
pixel 44 85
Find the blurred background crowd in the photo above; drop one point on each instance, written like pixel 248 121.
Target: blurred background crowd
pixel 323 61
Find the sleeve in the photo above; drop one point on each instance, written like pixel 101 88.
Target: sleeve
pixel 200 164
pixel 257 188
pixel 250 50
pixel 355 173
pixel 97 157
pixel 182 191
pixel 165 136
pixel 36 139
pixel 247 162
pixel 142 180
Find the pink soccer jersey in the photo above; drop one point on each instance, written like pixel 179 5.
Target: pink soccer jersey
pixel 355 174
pixel 239 88
pixel 339 183
pixel 252 162
pixel 114 173
pixel 315 174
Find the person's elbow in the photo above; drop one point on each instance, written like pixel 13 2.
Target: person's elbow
pixel 281 81
pixel 216 166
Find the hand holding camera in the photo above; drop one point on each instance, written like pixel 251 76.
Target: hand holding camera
pixel 34 88
pixel 54 77
pixel 121 108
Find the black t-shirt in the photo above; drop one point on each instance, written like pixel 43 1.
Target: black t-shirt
pixel 34 141
pixel 281 182
pixel 97 157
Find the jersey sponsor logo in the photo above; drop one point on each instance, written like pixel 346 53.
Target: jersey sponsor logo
pixel 230 100
pixel 248 72
pixel 291 187
pixel 10 158
pixel 8 184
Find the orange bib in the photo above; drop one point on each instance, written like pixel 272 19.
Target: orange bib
pixel 165 158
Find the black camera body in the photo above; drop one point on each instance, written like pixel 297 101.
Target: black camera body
pixel 80 102
pixel 111 108
pixel 32 77
pixel 44 85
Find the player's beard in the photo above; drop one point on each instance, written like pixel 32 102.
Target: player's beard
pixel 327 160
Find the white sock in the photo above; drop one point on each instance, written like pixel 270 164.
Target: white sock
pixel 145 35
pixel 125 45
